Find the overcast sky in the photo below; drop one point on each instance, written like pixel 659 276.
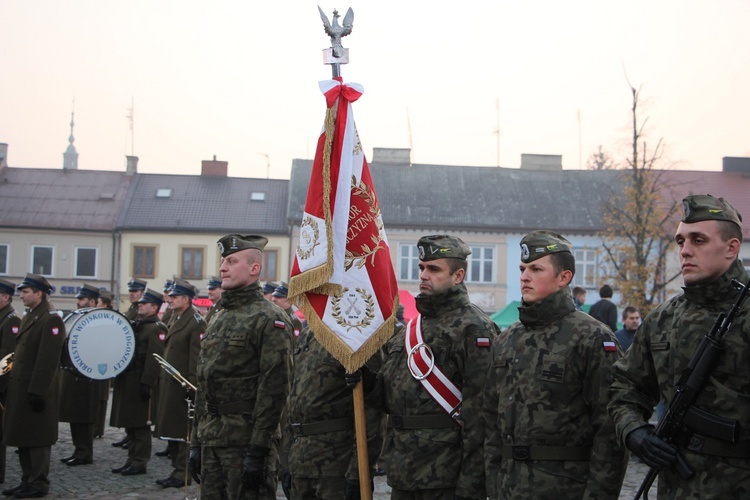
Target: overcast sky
pixel 238 80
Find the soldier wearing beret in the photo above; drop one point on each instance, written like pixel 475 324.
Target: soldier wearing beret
pixel 548 433
pixel 708 240
pixel 136 287
pixel 79 398
pixel 434 449
pixel 214 293
pixel 30 420
pixel 243 380
pixel 9 327
pixel 132 397
pixel 181 348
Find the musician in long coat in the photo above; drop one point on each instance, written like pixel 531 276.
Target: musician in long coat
pixel 30 420
pixel 181 350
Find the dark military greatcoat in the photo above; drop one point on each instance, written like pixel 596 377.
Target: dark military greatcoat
pixel 35 371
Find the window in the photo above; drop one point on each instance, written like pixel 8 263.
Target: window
pixel 585 268
pixel 41 260
pixel 3 259
pixel 144 260
pixel 481 265
pixel 85 264
pixel 408 262
pixel 192 263
pixel 270 264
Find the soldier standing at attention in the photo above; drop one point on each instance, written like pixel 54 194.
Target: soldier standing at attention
pixel 181 348
pixel 166 317
pixel 9 326
pixel 131 400
pixel 79 398
pixel 214 293
pixel 279 297
pixel 135 292
pixel 709 240
pixel 243 380
pixel 434 450
pixel 30 420
pixel 548 434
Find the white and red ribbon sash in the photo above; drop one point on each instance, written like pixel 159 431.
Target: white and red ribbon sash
pixel 421 363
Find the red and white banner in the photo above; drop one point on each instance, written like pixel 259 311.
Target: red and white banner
pixel 342 276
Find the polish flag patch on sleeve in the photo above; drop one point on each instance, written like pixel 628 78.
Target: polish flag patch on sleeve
pixel 55 330
pixel 162 336
pixel 610 346
pixel 483 342
pixel 14 329
pixel 279 324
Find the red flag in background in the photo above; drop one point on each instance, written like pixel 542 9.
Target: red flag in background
pixel 342 276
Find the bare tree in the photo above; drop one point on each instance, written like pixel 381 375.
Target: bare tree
pixel 638 223
pixel 600 160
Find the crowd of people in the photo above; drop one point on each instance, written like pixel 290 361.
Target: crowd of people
pixel 456 409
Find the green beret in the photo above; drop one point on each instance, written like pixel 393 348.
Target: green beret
pixel 232 243
pixel 698 207
pixel 442 246
pixel 537 244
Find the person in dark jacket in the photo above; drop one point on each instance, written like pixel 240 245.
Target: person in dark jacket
pixel 605 310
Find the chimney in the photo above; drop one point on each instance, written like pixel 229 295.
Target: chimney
pixel 548 163
pixel 214 167
pixel 132 165
pixel 734 164
pixel 391 156
pixel 3 155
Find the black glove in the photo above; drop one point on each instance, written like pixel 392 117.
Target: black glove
pixel 286 482
pixel 352 489
pixel 368 377
pixel 145 392
pixel 194 464
pixel 37 402
pixel 650 448
pixel 254 468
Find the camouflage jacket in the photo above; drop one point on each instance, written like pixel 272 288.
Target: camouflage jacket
pixel 449 456
pixel 319 396
pixel 648 373
pixel 243 371
pixel 548 388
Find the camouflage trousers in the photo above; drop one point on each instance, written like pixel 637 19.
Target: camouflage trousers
pixel 221 470
pixel 715 478
pixel 323 488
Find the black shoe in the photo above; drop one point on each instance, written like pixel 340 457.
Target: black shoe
pixel 164 453
pixel 118 444
pixel 132 471
pixel 10 491
pixel 63 460
pixel 29 492
pixel 120 469
pixel 172 482
pixel 78 461
pixel 161 482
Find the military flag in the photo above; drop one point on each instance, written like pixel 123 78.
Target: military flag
pixel 342 276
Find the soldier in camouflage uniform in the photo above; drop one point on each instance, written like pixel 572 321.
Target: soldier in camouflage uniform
pixel 431 453
pixel 136 287
pixel 9 326
pixel 548 434
pixel 243 381
pixel 709 239
pixel 279 297
pixel 322 449
pixel 214 293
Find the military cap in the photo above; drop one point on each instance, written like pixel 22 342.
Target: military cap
pixel 537 244
pixel 699 207
pixel 269 287
pixel 7 287
pixel 282 290
pixel 182 287
pixel 36 281
pixel 442 246
pixel 88 292
pixel 151 297
pixel 168 285
pixel 232 243
pixel 214 282
pixel 136 285
pixel 105 294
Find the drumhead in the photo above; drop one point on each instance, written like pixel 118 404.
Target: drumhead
pixel 100 343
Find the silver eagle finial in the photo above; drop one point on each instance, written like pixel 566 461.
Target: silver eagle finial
pixel 336 31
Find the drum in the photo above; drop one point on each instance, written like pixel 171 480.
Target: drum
pixel 100 343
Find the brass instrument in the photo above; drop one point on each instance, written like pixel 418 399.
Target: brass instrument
pixel 175 373
pixel 6 364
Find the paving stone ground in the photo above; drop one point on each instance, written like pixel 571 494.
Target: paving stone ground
pixel 96 481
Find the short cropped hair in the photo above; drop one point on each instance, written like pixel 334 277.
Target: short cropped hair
pixel 605 292
pixel 628 311
pixel 563 261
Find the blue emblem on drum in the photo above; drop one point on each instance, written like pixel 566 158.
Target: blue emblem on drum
pixel 102 368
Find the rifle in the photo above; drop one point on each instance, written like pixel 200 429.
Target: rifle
pixel 681 413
